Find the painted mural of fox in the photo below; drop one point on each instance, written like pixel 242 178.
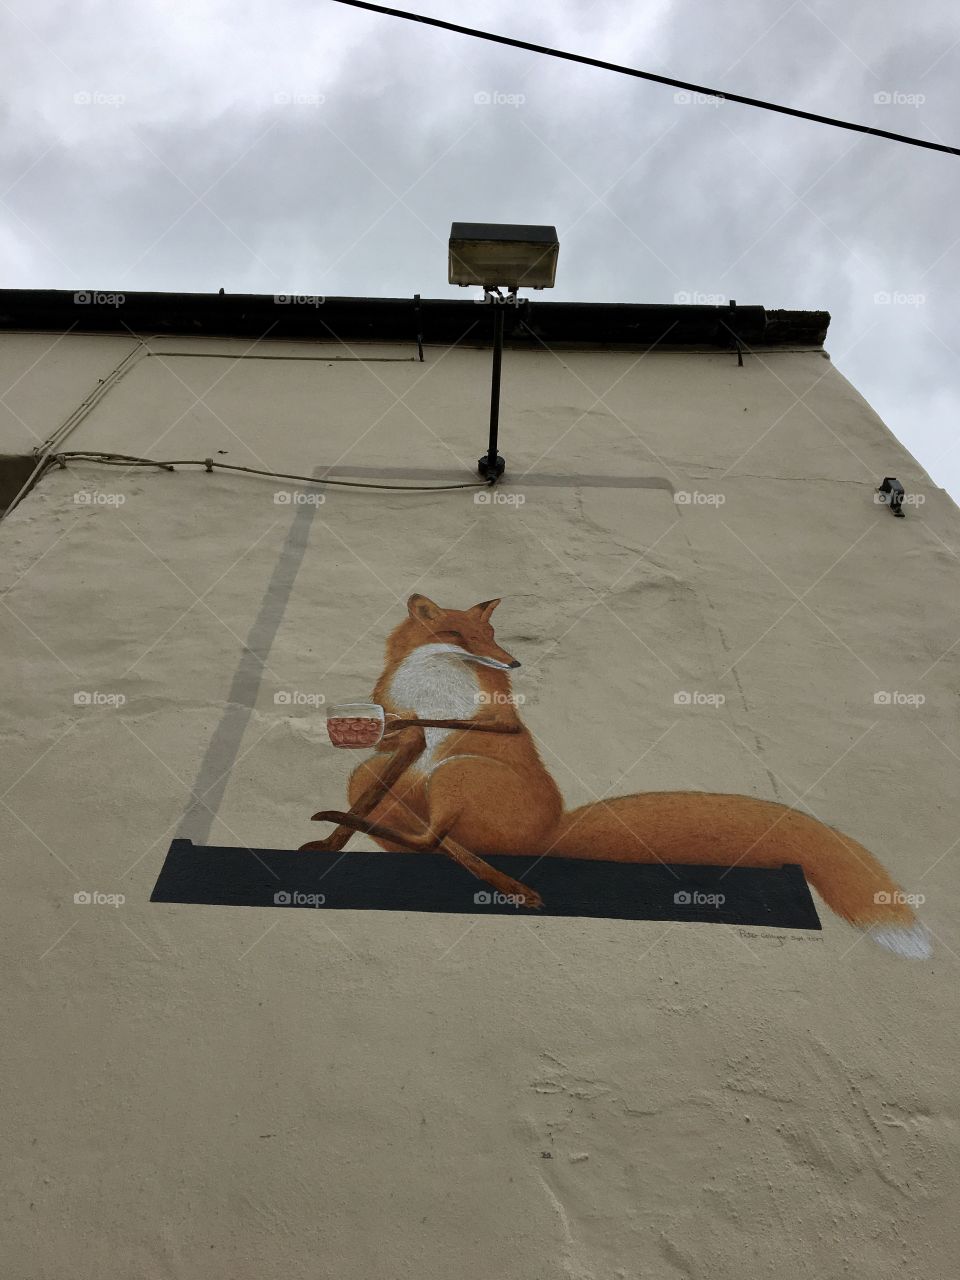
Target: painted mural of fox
pixel 492 793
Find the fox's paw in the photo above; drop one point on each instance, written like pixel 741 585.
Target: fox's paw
pixel 318 846
pixel 532 901
pixel 328 815
pixel 524 895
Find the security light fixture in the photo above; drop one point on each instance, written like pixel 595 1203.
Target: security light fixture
pixel 503 255
pixel 891 492
pixel 498 255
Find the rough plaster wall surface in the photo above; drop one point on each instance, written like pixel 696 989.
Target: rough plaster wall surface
pixel 45 376
pixel 229 1093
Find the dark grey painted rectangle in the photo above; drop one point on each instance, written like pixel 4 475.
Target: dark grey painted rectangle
pixel 369 881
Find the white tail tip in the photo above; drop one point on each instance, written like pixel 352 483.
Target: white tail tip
pixel 912 941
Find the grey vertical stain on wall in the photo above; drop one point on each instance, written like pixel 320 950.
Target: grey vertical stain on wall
pixel 224 747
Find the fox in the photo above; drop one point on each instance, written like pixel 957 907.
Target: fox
pixel 488 793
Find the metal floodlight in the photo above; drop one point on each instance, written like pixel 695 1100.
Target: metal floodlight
pixel 892 491
pixel 501 255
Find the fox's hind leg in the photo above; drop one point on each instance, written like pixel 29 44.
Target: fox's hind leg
pixel 427 840
pixel 487 805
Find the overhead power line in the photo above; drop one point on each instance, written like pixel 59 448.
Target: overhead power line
pixel 649 75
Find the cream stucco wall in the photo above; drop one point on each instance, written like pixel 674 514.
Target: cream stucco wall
pixel 231 1093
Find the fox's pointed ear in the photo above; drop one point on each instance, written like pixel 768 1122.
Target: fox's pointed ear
pixel 422 609
pixel 484 609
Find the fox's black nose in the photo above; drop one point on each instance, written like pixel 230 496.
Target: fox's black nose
pixel 514 663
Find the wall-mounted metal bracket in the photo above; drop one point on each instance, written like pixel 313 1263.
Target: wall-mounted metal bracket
pixel 891 492
pixel 736 340
pixel 418 317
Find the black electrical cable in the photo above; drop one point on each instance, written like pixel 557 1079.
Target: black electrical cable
pixel 649 75
pixel 130 460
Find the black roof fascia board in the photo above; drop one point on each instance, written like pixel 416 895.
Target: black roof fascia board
pixel 442 321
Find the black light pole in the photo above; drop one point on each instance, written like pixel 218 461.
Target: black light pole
pixel 499 255
pixel 492 466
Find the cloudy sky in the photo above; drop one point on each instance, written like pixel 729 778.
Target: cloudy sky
pixel 302 146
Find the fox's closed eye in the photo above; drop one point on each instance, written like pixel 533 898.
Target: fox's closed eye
pixel 450 635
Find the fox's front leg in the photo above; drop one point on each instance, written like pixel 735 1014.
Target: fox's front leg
pixel 383 772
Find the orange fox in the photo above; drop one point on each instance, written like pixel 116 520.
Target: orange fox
pixel 491 793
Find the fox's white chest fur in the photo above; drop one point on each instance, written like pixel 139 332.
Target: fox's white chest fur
pixel 438 683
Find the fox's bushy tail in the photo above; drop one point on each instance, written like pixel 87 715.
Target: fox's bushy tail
pixel 696 827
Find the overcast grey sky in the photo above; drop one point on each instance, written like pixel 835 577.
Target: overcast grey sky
pixel 293 146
